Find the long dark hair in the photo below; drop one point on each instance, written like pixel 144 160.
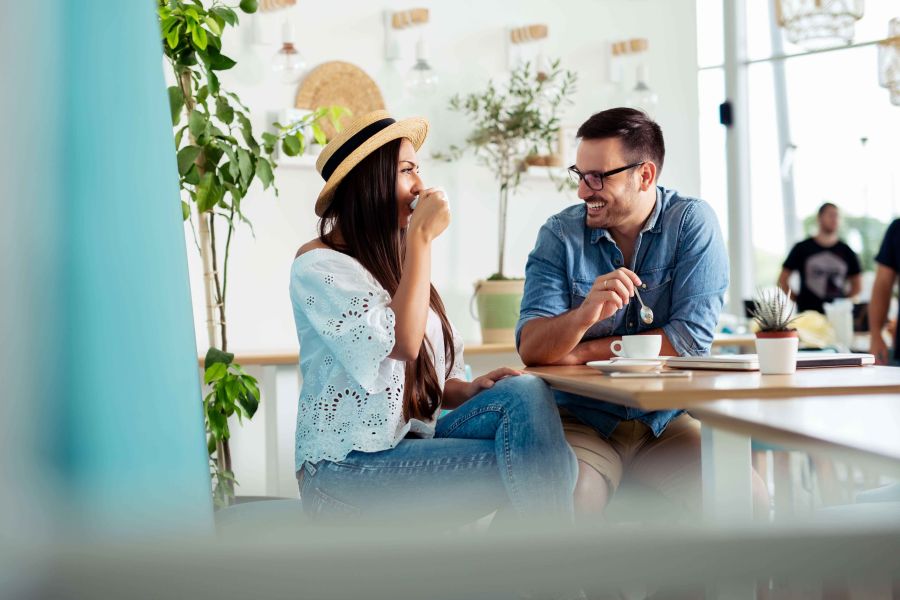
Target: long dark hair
pixel 364 211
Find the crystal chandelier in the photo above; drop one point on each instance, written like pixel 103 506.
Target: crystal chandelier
pixel 816 24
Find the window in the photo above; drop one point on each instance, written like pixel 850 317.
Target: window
pixel 842 126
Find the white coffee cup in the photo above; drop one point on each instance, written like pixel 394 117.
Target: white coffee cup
pixel 637 346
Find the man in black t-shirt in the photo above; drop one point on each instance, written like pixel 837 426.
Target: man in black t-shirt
pixel 888 260
pixel 828 268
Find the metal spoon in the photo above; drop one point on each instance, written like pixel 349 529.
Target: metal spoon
pixel 646 311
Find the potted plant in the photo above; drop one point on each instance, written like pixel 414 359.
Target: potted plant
pixel 776 340
pixel 510 123
pixel 219 159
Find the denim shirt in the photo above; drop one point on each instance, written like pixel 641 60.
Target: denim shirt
pixel 680 258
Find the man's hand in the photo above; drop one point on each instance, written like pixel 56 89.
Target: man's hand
pixel 878 348
pixel 608 295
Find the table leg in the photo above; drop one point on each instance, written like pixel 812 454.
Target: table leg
pixel 727 476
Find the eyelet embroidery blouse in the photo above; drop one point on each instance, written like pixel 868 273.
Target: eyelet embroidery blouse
pixel 351 397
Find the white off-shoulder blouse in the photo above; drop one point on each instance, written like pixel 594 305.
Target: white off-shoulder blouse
pixel 351 397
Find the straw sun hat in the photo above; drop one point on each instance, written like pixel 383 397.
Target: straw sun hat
pixel 358 140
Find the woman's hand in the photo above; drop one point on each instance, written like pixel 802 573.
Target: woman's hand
pixel 457 391
pixel 487 381
pixel 431 215
pixel 608 295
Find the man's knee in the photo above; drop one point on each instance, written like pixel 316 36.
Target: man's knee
pixel 591 490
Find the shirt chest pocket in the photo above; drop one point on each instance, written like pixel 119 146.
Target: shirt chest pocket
pixel 580 290
pixel 656 292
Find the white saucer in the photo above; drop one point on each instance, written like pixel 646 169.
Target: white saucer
pixel 626 365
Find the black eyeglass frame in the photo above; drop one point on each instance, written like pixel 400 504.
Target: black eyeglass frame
pixel 574 172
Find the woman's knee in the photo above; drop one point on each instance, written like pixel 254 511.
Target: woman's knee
pixel 527 393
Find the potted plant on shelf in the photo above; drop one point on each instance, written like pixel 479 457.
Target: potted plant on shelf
pixel 776 340
pixel 510 123
pixel 219 159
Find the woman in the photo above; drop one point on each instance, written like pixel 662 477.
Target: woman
pixel 380 359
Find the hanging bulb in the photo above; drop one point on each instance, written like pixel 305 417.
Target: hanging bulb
pixel 288 62
pixel 421 79
pixel 641 96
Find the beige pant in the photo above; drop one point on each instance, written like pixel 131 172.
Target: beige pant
pixel 669 464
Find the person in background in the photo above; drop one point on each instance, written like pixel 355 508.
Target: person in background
pixel 380 359
pixel 888 260
pixel 828 268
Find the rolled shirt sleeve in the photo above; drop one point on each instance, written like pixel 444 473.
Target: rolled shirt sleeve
pixel 547 291
pixel 699 283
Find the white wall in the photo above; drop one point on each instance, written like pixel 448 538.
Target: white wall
pixel 467 42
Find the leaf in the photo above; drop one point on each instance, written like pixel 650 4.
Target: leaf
pixel 178 135
pixel 198 35
pixel 224 112
pixel 218 423
pixel 213 82
pixel 319 134
pixel 215 356
pixel 215 371
pixel 291 145
pixel 172 36
pixel 220 62
pixel 247 132
pixel 185 211
pixel 202 94
pixel 192 12
pixel 269 141
pixel 176 103
pixel 228 15
pixel 186 158
pixel 249 404
pixel 204 196
pixel 213 25
pixel 251 384
pixel 192 176
pixel 197 123
pixel 264 172
pixel 246 166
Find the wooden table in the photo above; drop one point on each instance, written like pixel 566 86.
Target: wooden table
pixel 725 401
pixel 863 428
pixel 705 386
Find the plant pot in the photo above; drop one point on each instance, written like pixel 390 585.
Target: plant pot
pixel 777 351
pixel 498 309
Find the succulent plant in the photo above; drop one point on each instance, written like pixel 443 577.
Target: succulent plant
pixel 773 310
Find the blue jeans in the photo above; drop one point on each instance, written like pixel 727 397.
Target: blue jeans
pixel 503 447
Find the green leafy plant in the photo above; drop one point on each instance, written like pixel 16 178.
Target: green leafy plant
pixel 219 159
pixel 772 310
pixel 511 122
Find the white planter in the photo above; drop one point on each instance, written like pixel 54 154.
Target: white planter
pixel 777 355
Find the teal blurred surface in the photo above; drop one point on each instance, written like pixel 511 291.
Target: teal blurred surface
pixel 98 333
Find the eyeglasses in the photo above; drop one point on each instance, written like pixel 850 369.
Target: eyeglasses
pixel 594 179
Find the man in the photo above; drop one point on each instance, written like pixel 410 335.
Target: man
pixel 888 260
pixel 579 297
pixel 828 268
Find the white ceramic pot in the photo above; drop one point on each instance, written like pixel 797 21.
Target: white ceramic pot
pixel 777 352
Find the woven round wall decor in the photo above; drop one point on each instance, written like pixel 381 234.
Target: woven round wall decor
pixel 339 83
